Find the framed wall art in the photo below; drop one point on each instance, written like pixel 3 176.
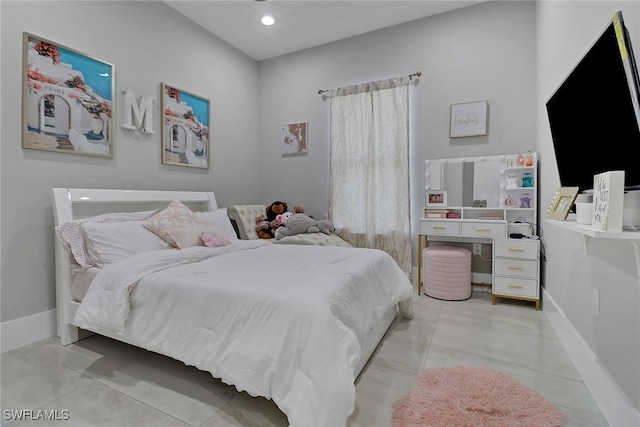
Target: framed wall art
pixel 294 139
pixel 67 99
pixel 468 119
pixel 185 128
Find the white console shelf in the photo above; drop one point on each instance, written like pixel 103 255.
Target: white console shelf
pixel 591 232
pixel 633 237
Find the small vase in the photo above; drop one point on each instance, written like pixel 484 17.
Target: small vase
pixel 528 159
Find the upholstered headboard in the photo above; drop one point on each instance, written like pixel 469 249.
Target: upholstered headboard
pixel 244 217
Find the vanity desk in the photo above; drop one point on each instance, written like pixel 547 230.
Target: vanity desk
pixel 485 200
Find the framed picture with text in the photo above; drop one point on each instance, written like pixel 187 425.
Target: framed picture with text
pixel 469 119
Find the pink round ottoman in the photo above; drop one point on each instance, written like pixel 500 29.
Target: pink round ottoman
pixel 446 273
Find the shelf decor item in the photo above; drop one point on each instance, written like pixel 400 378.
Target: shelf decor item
pixel 468 119
pixel 66 100
pixel 436 198
pixel 185 128
pixel 608 194
pixel 561 203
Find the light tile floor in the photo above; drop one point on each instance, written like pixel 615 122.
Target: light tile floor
pixel 101 382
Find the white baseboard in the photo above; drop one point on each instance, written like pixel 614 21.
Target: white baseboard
pixel 26 330
pixel 614 404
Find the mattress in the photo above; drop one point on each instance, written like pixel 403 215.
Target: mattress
pixel 277 321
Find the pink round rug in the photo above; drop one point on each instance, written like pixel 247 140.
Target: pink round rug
pixel 461 396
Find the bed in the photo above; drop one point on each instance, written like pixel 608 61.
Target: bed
pixel 292 323
pixel 244 220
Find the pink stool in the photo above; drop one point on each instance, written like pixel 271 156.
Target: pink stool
pixel 446 273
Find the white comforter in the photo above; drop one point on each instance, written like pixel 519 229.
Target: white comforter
pixel 279 321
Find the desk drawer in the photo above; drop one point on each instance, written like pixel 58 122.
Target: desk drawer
pixel 445 227
pixel 516 287
pixel 516 248
pixel 516 267
pixel 484 229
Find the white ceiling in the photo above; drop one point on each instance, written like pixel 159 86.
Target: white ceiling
pixel 301 24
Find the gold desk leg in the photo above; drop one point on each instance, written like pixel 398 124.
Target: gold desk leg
pixel 421 238
pixel 419 263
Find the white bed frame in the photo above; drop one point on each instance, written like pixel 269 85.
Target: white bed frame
pixel 76 203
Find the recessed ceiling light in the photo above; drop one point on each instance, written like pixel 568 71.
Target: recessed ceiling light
pixel 267 20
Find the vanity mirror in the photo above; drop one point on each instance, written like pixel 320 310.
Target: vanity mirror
pixel 488 187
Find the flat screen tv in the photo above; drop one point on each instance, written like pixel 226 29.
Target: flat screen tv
pixel 594 114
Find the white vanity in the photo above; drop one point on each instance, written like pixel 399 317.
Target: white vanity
pixel 487 199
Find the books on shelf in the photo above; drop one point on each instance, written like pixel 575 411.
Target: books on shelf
pixel 436 213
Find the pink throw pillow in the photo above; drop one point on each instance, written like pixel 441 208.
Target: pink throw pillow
pixel 214 239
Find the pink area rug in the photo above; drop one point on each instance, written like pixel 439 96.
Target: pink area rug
pixel 461 396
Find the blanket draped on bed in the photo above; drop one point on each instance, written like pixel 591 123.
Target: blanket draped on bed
pixel 279 321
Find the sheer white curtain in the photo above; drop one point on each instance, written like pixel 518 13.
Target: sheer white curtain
pixel 369 166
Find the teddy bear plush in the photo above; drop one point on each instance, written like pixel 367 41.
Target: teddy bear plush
pixel 277 208
pixel 266 225
pixel 301 223
pixel 264 228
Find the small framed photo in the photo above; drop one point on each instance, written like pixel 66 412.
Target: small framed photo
pixel 468 119
pixel 185 128
pixel 435 198
pixel 561 203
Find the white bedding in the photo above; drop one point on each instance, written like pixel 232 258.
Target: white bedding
pixel 279 321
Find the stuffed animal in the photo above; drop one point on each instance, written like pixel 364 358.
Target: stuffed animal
pixel 277 208
pixel 263 228
pixel 301 223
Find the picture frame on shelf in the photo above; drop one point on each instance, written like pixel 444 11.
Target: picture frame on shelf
pixel 468 119
pixel 185 128
pixel 67 99
pixel 562 203
pixel 435 198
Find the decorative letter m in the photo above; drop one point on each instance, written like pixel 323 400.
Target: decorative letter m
pixel 143 113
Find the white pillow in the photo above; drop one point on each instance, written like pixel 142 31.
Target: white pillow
pixel 186 237
pixel 221 221
pixel 109 243
pixel 69 233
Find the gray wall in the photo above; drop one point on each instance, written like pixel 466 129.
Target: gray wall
pixel 148 42
pixel 484 52
pixel 576 264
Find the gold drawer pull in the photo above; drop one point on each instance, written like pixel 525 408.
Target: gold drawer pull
pixel 515 268
pixel 516 249
pixel 515 286
pixel 439 227
pixel 483 229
